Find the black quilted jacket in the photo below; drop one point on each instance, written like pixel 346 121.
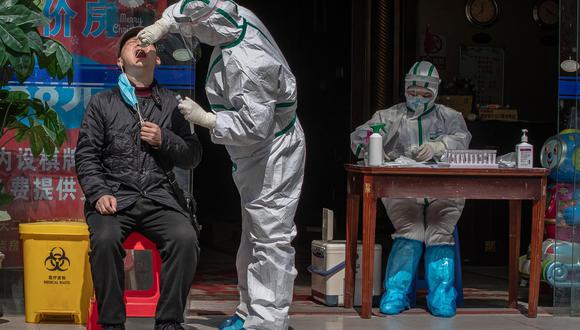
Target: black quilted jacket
pixel 111 159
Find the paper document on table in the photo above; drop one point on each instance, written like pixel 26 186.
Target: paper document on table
pixel 404 162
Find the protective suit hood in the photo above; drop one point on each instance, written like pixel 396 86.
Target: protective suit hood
pixel 213 22
pixel 422 74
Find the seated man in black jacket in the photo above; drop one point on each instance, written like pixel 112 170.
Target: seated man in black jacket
pixel 121 158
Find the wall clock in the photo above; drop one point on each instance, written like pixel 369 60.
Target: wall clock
pixel 545 13
pixel 482 12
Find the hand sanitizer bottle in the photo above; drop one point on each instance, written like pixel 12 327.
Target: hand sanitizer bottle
pixel 524 152
pixel 376 146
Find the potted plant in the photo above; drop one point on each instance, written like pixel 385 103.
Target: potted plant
pixel 21 48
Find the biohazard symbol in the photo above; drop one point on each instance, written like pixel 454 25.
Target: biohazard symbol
pixel 57 260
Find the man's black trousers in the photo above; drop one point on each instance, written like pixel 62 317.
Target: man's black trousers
pixel 176 241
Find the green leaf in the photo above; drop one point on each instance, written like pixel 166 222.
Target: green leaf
pixel 12 110
pixel 56 59
pixel 22 16
pixel 2 54
pixel 46 136
pixel 22 64
pixel 70 76
pixel 15 105
pixel 5 199
pixel 64 60
pixel 18 96
pixel 48 145
pixel 50 46
pixel 46 130
pixel 61 136
pixel 41 139
pixel 43 60
pixel 48 63
pixel 35 140
pixel 20 130
pixel 34 20
pixel 36 5
pixel 52 120
pixel 7 4
pixel 13 37
pixel 38 105
pixel 34 40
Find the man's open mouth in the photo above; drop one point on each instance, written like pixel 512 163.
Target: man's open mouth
pixel 140 53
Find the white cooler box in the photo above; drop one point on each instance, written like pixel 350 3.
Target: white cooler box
pixel 327 270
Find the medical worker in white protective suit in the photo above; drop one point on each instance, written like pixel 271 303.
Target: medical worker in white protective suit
pixel 421 130
pixel 253 93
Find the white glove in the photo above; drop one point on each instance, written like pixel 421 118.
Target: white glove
pixel 428 150
pixel 155 31
pixel 195 114
pixel 386 157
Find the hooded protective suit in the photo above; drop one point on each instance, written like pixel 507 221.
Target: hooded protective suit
pixel 411 127
pixel 252 92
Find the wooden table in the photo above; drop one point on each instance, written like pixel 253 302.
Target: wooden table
pixel 514 185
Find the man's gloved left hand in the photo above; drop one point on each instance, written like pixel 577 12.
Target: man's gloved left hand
pixel 428 150
pixel 194 113
pixel 155 31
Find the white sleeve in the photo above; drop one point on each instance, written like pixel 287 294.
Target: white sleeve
pixel 457 137
pixel 171 13
pixel 253 95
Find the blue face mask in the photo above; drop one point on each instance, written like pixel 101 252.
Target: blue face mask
pixel 127 91
pixel 419 103
pixel 128 94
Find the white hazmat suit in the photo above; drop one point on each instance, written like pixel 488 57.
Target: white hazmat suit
pixel 252 92
pixel 422 130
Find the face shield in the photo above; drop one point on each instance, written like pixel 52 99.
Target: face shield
pixel 421 87
pixel 214 23
pixel 186 25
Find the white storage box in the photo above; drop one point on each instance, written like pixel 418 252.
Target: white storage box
pixel 327 270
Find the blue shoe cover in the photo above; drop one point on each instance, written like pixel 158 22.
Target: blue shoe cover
pixel 233 322
pixel 395 299
pixel 401 269
pixel 440 274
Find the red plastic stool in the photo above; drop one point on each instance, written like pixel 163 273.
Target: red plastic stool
pixel 138 303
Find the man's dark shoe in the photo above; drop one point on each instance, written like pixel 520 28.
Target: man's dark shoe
pixel 168 325
pixel 113 327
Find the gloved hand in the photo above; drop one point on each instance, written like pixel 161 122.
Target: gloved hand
pixel 195 114
pixel 386 157
pixel 428 150
pixel 155 31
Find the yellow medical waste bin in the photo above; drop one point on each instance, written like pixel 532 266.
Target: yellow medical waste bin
pixel 57 276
